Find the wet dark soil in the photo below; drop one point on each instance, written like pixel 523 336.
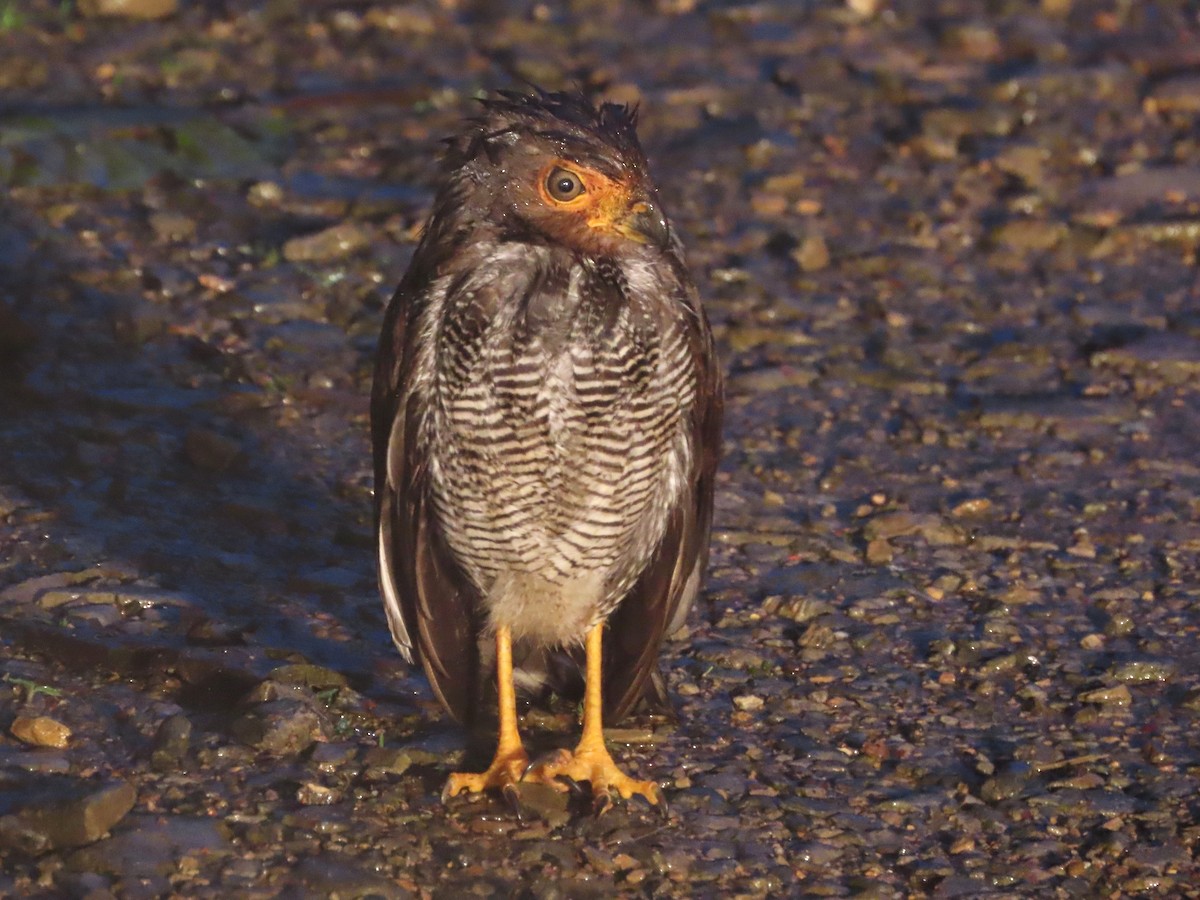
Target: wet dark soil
pixel 949 641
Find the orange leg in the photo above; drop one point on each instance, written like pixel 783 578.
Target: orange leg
pixel 511 760
pixel 591 760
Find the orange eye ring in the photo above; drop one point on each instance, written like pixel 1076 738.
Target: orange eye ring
pixel 562 185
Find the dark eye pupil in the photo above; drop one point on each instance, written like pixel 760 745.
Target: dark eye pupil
pixel 564 185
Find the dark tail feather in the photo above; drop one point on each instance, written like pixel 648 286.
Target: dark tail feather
pixel 542 673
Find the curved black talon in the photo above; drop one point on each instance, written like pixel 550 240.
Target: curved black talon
pixel 575 787
pixel 662 805
pixel 512 796
pixel 602 802
pixel 548 760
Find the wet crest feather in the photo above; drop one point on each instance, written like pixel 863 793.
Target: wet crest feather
pixel 566 118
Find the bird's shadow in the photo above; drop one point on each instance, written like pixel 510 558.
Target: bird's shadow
pixel 135 444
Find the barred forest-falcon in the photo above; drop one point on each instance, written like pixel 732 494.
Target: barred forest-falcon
pixel 546 419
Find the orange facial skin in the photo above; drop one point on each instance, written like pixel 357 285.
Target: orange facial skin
pixel 605 206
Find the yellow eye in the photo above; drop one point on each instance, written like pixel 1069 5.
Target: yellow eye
pixel 563 185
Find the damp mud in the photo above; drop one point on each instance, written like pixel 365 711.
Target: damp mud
pixel 948 643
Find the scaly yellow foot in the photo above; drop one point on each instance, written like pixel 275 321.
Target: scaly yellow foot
pixel 511 760
pixel 504 773
pixel 593 763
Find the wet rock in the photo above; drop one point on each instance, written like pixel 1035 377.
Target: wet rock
pixel 327 875
pixel 1120 625
pixel 1030 235
pixel 209 450
pixel 334 757
pixel 52 813
pixel 1180 94
pixel 1015 368
pixel 815 638
pixel 1020 595
pixel 1158 857
pixel 41 731
pixel 1082 545
pixel 748 336
pixel 54 599
pixel 171 742
pixel 634 736
pixel 1143 671
pixel 281 727
pixel 748 702
pixel 1173 357
pixel 33 589
pixel 1113 698
pixel 971 508
pixel 209 633
pixel 387 761
pixel 90 885
pixel 128 9
pixel 1026 160
pixel 338 242
pixel 879 552
pixel 544 802
pixel 1011 781
pixel 798 609
pixel 38 762
pixel 813 254
pixel 284 720
pixel 102 615
pixel 1105 202
pixel 308 675
pixel 154 849
pixel 997 665
pixel 817 854
pixel 312 793
pixel 169 226
pixel 863 8
pixel 406 19
pixel 887 526
pixel 767 204
pixel 136 323
pixel 265 193
pixel 941 131
pixel 22 73
pixel 975 40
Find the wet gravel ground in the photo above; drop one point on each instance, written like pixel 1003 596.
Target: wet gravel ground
pixel 949 642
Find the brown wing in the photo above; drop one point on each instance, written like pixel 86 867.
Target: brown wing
pixel 430 605
pixel 668 586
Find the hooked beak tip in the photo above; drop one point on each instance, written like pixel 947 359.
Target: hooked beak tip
pixel 648 221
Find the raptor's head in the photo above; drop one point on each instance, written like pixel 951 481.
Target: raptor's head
pixel 553 166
